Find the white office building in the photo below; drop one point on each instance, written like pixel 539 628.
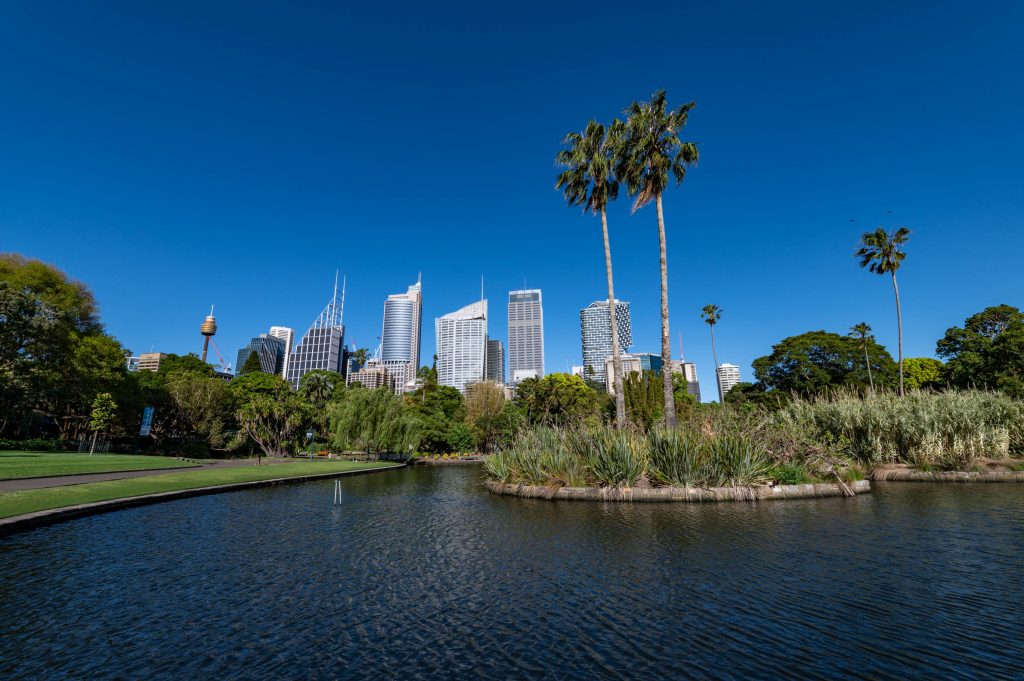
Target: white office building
pixel 288 336
pixel 461 338
pixel 689 372
pixel 728 376
pixel 400 339
pixel 525 335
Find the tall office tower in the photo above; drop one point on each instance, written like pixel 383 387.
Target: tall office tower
pixel 288 336
pixel 525 335
pixel 400 340
pixel 270 350
pixel 495 361
pixel 150 361
pixel 321 347
pixel 462 346
pixel 689 372
pixel 596 333
pixel 728 376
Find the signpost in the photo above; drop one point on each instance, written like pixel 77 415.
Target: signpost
pixel 146 427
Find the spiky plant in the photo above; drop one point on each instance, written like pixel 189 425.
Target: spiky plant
pixel 649 156
pixel 589 180
pixel 882 253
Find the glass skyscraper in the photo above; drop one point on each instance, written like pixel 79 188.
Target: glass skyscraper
pixel 321 347
pixel 400 339
pixel 495 361
pixel 269 349
pixel 288 336
pixel 462 346
pixel 525 335
pixel 596 334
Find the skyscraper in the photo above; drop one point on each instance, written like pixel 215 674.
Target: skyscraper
pixel 288 336
pixel 495 361
pixel 321 347
pixel 728 377
pixel 270 350
pixel 462 346
pixel 689 372
pixel 525 334
pixel 596 334
pixel 400 339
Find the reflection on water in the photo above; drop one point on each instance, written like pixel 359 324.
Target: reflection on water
pixel 421 574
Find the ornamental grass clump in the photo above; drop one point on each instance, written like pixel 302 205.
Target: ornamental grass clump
pixel 616 460
pixel 946 429
pixel 677 458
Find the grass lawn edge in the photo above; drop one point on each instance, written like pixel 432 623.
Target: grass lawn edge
pixel 48 516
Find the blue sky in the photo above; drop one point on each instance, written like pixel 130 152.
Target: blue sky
pixel 238 154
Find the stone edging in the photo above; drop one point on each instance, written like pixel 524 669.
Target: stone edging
pixel 904 475
pixel 683 494
pixel 446 462
pixel 53 515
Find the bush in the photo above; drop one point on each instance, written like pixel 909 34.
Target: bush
pixel 787 474
pixel 32 445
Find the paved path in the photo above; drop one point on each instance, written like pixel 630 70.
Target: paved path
pixel 22 484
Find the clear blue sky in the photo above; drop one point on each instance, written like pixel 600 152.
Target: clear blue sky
pixel 239 153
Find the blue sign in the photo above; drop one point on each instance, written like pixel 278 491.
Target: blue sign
pixel 147 422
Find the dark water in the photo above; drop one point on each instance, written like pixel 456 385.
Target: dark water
pixel 421 574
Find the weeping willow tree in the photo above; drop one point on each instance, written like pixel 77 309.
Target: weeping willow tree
pixel 372 421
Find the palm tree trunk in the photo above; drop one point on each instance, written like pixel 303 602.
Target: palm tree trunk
pixel 620 398
pixel 899 329
pixel 666 341
pixel 714 355
pixel 867 363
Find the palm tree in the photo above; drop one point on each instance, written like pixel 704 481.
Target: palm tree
pixel 862 334
pixel 881 253
pixel 712 314
pixel 650 151
pixel 589 181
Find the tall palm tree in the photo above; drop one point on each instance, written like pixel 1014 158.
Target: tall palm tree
pixel 589 180
pixel 881 252
pixel 712 314
pixel 862 334
pixel 650 151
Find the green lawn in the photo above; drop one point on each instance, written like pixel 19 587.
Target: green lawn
pixel 37 464
pixel 17 503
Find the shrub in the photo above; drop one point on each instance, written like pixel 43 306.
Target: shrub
pixel 787 474
pixel 32 445
pixel 677 457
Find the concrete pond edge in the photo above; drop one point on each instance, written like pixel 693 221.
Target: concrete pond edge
pixel 27 521
pixel 904 475
pixel 677 494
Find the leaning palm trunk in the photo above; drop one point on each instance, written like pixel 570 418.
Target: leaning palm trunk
pixel 666 341
pixel 867 363
pixel 620 398
pixel 899 330
pixel 714 355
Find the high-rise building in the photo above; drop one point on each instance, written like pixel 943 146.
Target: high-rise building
pixel 596 333
pixel 321 347
pixel 270 350
pixel 373 375
pixel 462 346
pixel 495 361
pixel 288 336
pixel 728 377
pixel 150 361
pixel 400 339
pixel 689 372
pixel 631 364
pixel 525 335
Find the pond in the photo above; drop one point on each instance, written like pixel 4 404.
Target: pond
pixel 419 573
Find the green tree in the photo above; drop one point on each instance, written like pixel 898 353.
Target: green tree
pixel 252 364
pixel 882 253
pixel 861 333
pixel 460 438
pixel 816 361
pixel 986 352
pixel 172 364
pixel 650 152
pixel 589 181
pixel 204 404
pixel 485 403
pixel 558 400
pixel 373 421
pixel 922 372
pixel 104 409
pixel 712 314
pixel 318 387
pixel 276 424
pixel 644 402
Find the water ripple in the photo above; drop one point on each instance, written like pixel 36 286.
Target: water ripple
pixel 420 574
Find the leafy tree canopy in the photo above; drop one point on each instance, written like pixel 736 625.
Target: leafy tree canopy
pixel 558 399
pixel 818 360
pixel 987 351
pixel 922 372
